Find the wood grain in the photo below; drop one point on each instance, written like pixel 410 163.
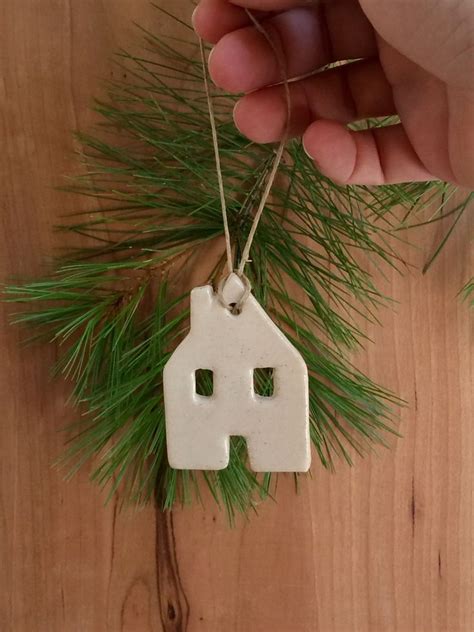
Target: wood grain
pixel 384 546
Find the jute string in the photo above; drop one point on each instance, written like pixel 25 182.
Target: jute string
pixel 245 258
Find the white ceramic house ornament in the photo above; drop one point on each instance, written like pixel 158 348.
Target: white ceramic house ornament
pixel 233 346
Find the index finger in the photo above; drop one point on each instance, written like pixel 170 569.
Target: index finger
pixel 273 5
pixel 212 19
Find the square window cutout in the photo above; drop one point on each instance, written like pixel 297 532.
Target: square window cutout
pixel 263 381
pixel 204 379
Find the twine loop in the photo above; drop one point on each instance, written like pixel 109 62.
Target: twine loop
pixel 234 308
pixel 237 307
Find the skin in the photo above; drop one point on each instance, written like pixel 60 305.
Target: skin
pixel 415 58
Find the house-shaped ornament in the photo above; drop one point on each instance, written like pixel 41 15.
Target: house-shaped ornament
pixel 233 347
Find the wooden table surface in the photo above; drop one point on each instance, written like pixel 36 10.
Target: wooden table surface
pixel 384 546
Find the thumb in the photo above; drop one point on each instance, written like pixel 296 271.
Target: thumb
pixel 438 36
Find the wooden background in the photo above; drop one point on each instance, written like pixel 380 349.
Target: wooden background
pixel 385 546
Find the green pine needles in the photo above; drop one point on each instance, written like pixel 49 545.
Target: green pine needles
pixel 118 306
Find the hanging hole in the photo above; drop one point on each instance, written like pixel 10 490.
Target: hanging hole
pixel 235 309
pixel 263 381
pixel 204 382
pixel 227 296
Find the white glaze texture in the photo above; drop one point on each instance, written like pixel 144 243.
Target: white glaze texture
pixel 198 428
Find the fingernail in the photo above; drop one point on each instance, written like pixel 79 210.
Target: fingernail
pixel 313 160
pixel 306 150
pixel 209 57
pixel 193 17
pixel 235 111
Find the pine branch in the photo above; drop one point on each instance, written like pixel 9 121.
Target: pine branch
pixel 113 308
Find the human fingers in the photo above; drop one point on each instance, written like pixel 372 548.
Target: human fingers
pixel 244 60
pixel 372 157
pixel 273 5
pixel 348 93
pixel 212 19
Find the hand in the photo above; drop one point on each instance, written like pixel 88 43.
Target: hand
pixel 414 58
